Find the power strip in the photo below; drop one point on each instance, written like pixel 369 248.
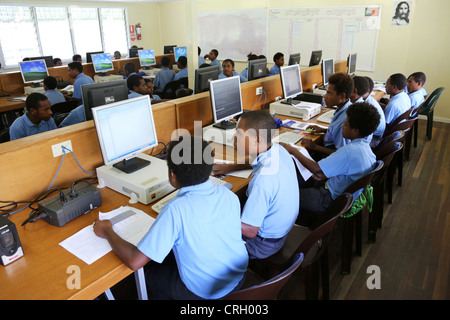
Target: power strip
pixel 58 212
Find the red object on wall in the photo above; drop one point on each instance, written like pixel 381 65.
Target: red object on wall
pixel 138 31
pixel 132 33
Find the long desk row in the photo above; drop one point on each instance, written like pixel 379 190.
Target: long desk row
pixel 27 167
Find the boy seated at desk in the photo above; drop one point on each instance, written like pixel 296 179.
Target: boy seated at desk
pixel 414 88
pixel 228 71
pixel 37 118
pixel 136 85
pixel 340 87
pixel 182 65
pixel 194 249
pixel 151 89
pixel 51 93
pixel 75 70
pixel 212 56
pixel 278 59
pixel 273 195
pixel 163 76
pixel 333 174
pixel 399 101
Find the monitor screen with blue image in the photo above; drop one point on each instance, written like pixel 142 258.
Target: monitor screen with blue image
pixel 33 70
pixel 180 51
pixel 102 62
pixel 147 58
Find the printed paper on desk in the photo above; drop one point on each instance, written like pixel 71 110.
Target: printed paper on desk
pixel 306 174
pixel 295 124
pixel 237 173
pixel 130 224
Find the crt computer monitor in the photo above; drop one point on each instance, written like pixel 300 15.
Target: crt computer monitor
pixel 327 69
pixel 351 64
pixel 48 60
pixel 294 58
pixel 291 82
pixel 226 101
pixel 179 51
pixel 125 129
pixel 203 76
pixel 169 49
pixel 33 71
pixel 102 62
pixel 316 56
pixel 256 69
pixel 133 52
pixel 147 58
pixel 99 94
pixel 89 55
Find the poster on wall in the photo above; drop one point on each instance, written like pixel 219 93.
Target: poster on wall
pixel 132 33
pixel 401 14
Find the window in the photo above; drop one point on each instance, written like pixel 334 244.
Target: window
pixel 27 31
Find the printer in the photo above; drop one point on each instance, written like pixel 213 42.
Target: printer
pixel 304 106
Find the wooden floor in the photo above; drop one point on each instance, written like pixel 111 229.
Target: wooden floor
pixel 412 248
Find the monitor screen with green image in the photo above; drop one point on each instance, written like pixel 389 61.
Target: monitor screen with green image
pixel 102 62
pixel 147 58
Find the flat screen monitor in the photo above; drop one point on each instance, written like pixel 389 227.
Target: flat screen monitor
pixel 48 60
pixel 291 82
pixel 351 63
pixel 102 62
pixel 169 49
pixel 147 58
pixel 99 94
pixel 125 129
pixel 180 51
pixel 203 76
pixel 256 69
pixel 133 52
pixel 316 56
pixel 294 58
pixel 33 71
pixel 226 101
pixel 89 55
pixel 327 69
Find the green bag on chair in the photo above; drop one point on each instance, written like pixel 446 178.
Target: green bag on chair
pixel 364 199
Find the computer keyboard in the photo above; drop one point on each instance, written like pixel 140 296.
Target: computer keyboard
pixel 288 137
pixel 157 207
pixel 326 117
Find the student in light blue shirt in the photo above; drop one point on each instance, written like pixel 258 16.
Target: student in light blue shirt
pixel 212 55
pixel 194 249
pixel 136 85
pixel 201 60
pixel 150 89
pixel 228 71
pixel 343 167
pixel 75 116
pixel 278 59
pixel 37 119
pixel 163 76
pixel 182 65
pixel 414 88
pixel 250 57
pixel 75 70
pixel 399 102
pixel 51 93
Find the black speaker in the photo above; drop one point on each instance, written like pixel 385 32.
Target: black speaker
pixel 10 247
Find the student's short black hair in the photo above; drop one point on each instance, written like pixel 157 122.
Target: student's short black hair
pixel 342 82
pixel 364 117
pixel 183 61
pixel 199 50
pixel 215 52
pixel 251 56
pixel 34 99
pixel 165 61
pixel 130 67
pixel 50 82
pixel 190 163
pixel 371 83
pixel 76 66
pixel 56 60
pixel 361 84
pixel 419 77
pixel 259 120
pixel 398 80
pixel 228 60
pixel 204 65
pixel 277 56
pixel 133 81
pixel 76 57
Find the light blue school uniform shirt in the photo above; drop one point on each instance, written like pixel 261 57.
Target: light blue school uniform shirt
pixel 163 77
pixel 346 165
pixel 334 132
pixel 274 70
pixel 416 98
pixel 202 226
pixel 244 73
pixel 80 80
pixel 397 105
pixel 422 90
pixel 241 78
pixel 201 61
pixel 183 73
pixel 75 116
pixel 382 125
pixel 54 96
pixel 273 194
pixel 216 62
pixel 23 127
pixel 133 94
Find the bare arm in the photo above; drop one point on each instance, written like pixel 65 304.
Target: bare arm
pixel 249 231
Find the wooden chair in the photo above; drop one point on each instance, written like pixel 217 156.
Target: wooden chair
pixel 268 290
pixel 4 135
pixel 352 226
pixel 428 110
pixel 314 245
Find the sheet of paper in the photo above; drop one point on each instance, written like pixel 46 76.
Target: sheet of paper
pixel 238 173
pixel 306 174
pixel 129 223
pixel 295 124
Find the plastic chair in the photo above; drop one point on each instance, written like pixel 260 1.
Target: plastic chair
pixel 60 117
pixel 170 89
pixel 428 110
pixel 352 226
pixel 314 245
pixel 64 107
pixel 4 135
pixel 270 289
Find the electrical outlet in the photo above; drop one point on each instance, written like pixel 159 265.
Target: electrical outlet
pixel 58 150
pixel 259 91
